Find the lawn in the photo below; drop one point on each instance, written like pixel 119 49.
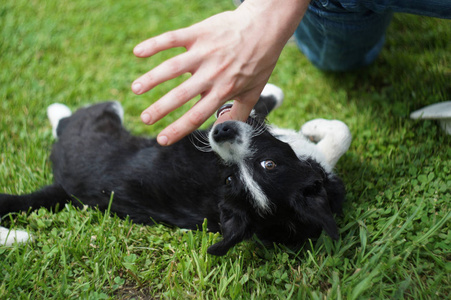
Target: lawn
pixel 395 233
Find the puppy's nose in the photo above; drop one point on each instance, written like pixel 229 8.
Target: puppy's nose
pixel 224 131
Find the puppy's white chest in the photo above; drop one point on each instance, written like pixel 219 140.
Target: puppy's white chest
pixel 301 146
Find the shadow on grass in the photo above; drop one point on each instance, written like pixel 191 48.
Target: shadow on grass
pixel 390 151
pixel 412 70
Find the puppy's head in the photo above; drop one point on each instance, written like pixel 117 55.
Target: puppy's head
pixel 268 190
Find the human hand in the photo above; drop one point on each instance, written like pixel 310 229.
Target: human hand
pixel 230 56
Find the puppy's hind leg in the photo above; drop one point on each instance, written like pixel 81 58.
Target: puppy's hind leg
pixel 55 113
pixel 332 138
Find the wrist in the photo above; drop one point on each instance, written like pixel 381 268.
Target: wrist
pixel 280 17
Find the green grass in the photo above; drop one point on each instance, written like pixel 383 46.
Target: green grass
pixel 395 234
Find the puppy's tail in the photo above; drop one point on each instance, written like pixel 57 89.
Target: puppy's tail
pixel 48 197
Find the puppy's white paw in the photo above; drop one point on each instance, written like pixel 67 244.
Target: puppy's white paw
pixel 332 137
pixel 318 129
pixel 9 237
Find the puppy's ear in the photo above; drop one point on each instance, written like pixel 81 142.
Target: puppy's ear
pixel 336 192
pixel 312 205
pixel 235 228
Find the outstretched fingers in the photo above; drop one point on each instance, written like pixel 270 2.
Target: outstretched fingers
pixel 190 121
pixel 173 100
pixel 200 113
pixel 169 69
pixel 165 41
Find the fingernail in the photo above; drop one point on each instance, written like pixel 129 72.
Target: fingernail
pixel 138 50
pixel 136 87
pixel 162 140
pixel 145 117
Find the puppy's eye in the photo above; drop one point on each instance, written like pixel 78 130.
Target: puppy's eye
pixel 268 164
pixel 229 180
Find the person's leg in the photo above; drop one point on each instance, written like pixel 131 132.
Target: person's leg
pixel 340 35
pixel 335 38
pixel 431 8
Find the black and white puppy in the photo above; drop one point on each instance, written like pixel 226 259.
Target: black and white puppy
pixel 245 178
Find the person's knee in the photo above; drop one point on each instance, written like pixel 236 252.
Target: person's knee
pixel 341 41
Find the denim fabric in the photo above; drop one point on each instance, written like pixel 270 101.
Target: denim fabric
pixel 340 35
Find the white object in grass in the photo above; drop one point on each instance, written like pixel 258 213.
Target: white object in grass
pixel 438 111
pixel 11 236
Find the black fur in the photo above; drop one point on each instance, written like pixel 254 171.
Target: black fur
pixel 180 185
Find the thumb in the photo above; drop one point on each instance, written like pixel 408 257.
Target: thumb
pixel 239 112
pixel 241 108
pixel 243 105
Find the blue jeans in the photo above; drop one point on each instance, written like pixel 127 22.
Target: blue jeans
pixel 340 35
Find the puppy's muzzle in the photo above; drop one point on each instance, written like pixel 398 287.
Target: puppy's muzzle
pixel 224 132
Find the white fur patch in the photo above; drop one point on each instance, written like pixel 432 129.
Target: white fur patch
pixel 237 150
pixel 330 140
pixel 301 146
pixel 258 196
pixel 55 113
pixel 9 237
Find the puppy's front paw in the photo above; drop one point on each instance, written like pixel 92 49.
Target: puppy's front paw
pixel 270 99
pixel 271 90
